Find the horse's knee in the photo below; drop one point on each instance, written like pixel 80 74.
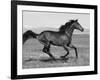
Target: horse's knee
pixel 45 50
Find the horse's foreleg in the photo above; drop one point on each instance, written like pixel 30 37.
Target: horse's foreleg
pixel 72 46
pixel 66 48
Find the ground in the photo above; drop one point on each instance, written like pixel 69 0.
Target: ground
pixel 33 57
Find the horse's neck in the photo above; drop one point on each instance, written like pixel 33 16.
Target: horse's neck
pixel 70 31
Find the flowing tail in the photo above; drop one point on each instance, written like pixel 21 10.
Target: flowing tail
pixel 28 34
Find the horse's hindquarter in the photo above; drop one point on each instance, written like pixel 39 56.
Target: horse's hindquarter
pixel 41 36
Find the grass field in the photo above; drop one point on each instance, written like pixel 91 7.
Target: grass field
pixel 33 57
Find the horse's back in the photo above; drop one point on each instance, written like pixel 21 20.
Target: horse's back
pixel 45 35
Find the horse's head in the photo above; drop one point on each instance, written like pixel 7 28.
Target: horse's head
pixel 76 25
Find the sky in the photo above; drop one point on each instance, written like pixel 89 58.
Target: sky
pixel 41 20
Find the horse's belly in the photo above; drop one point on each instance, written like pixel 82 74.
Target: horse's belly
pixel 54 38
pixel 57 42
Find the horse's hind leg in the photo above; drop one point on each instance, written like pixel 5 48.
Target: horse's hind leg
pixel 46 49
pixel 66 48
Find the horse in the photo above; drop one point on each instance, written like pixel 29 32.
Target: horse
pixel 62 37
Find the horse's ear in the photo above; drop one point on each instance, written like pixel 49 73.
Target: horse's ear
pixel 76 20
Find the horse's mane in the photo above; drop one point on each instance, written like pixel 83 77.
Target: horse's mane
pixel 66 26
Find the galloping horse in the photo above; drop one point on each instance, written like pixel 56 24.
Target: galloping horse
pixel 63 37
